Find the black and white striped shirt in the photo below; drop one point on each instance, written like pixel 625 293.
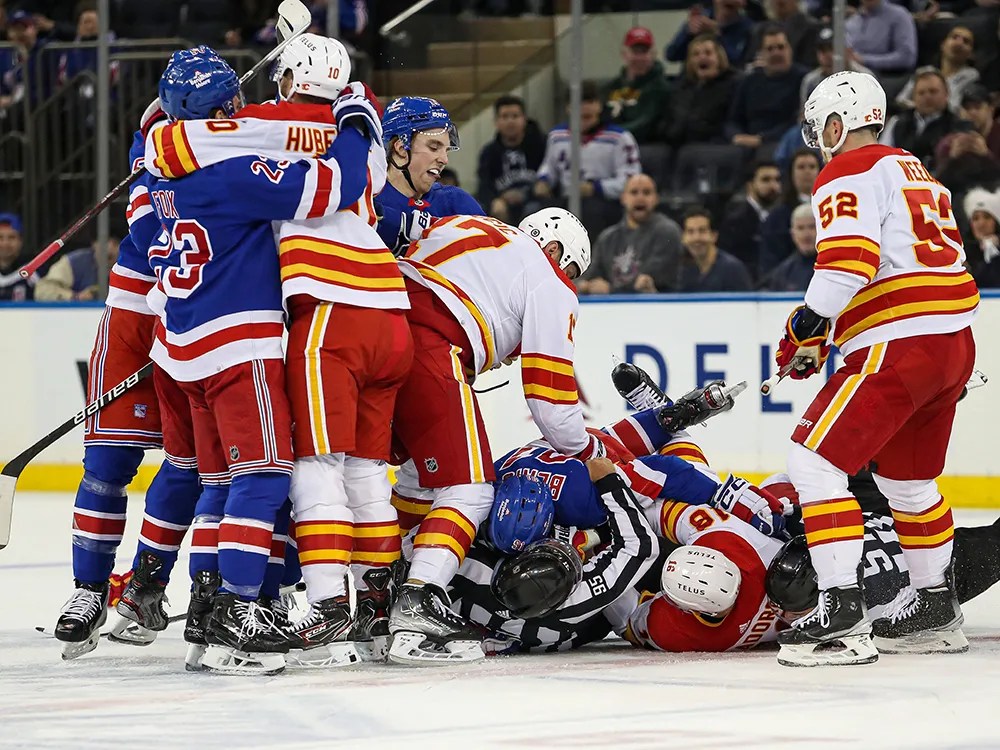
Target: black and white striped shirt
pixel 612 572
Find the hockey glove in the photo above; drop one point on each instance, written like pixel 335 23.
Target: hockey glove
pixel 117 584
pixel 584 541
pixel 804 345
pixel 354 107
pixel 751 505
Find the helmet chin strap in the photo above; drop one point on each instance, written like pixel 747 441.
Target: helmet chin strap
pixel 405 170
pixel 829 153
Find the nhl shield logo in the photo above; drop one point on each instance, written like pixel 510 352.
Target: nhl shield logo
pixel 139 411
pixel 234 453
pixel 431 464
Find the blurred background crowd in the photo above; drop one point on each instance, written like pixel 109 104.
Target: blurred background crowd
pixel 692 182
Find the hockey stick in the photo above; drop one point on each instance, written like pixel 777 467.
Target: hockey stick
pixel 293 19
pixel 11 472
pixel 47 632
pixel 768 385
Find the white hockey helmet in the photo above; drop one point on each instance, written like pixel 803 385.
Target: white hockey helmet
pixel 700 579
pixel 857 98
pixel 560 225
pixel 320 66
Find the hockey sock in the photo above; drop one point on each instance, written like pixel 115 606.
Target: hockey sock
pixel 324 525
pixel 292 571
pixel 409 510
pixel 445 535
pixel 99 509
pixel 926 537
pixel 271 587
pixel 835 533
pixel 376 531
pixel 246 530
pixel 170 506
pixel 205 529
pixel 640 432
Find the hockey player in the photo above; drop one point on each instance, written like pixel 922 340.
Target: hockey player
pixel 418 135
pixel 218 345
pixel 481 292
pixel 891 291
pixel 545 598
pixel 114 442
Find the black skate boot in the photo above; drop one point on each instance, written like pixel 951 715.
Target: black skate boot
pixel 923 621
pixel 836 632
pixel 425 631
pixel 206 583
pixel 321 638
pixel 79 624
pixel 141 605
pixel 243 638
pixel 370 633
pixel 635 386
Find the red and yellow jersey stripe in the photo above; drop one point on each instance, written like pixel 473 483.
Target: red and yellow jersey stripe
pixel 851 254
pixel 903 297
pixel 337 264
pixel 548 378
pixel 670 517
pixel 684 449
pixel 174 155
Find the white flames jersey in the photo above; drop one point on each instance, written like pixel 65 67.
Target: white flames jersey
pixel 511 300
pixel 889 261
pixel 658 624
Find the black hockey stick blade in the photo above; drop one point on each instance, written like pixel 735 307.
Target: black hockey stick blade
pixel 13 469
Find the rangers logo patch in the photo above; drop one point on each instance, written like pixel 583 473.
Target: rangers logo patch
pixel 234 453
pixel 431 464
pixel 139 411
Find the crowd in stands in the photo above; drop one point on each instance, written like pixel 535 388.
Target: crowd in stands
pixel 691 183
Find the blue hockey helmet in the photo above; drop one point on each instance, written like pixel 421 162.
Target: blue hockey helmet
pixel 522 513
pixel 417 114
pixel 196 82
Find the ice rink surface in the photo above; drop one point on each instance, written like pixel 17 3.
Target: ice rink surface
pixel 610 696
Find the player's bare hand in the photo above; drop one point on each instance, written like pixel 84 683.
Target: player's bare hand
pixel 598 468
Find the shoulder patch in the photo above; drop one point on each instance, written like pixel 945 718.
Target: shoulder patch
pixel 855 162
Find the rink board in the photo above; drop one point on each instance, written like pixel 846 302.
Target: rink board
pixel 682 340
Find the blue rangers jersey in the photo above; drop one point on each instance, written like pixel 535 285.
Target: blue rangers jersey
pixel 218 289
pixel 403 220
pixel 131 277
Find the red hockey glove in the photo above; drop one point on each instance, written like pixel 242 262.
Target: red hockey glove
pixel 804 344
pixel 117 584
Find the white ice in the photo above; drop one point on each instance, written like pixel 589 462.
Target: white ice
pixel 601 697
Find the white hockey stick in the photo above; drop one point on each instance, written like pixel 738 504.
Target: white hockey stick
pixel 768 385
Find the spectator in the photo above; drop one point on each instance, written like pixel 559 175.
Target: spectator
pixel 776 241
pixel 609 157
pixel 883 37
pixel 698 105
pixel 638 96
pixel 983 250
pixel 795 272
pixel 704 267
pixel 790 144
pixel 75 275
pixel 824 68
pixel 508 165
pixel 25 79
pixel 642 252
pixel 72 62
pixel 956 56
pixel 740 231
pixel 978 109
pixel 12 287
pixel 767 100
pixel 726 20
pixel 800 29
pixel 919 129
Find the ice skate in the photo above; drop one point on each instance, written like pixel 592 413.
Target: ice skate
pixel 836 632
pixel 206 583
pixel 79 624
pixel 922 621
pixel 635 386
pixel 141 604
pixel 370 633
pixel 321 638
pixel 426 632
pixel 243 639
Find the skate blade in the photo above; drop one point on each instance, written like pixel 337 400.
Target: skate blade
pixel 375 650
pixel 131 633
pixel 330 656
pixel 127 613
pixel 225 660
pixel 72 651
pixel 926 642
pixel 416 650
pixel 192 660
pixel 857 649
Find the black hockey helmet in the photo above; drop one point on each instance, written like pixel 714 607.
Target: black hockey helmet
pixel 791 579
pixel 537 581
